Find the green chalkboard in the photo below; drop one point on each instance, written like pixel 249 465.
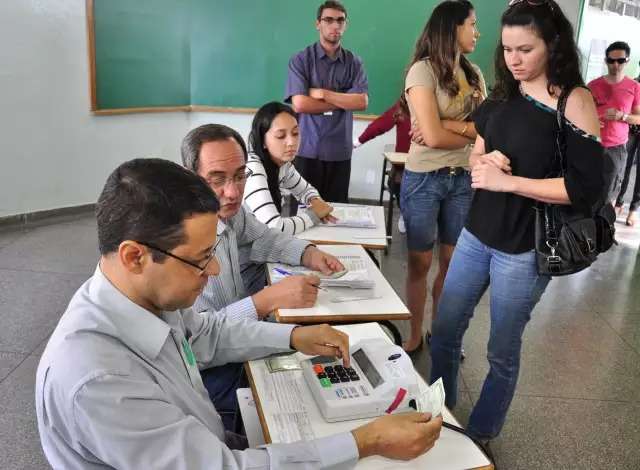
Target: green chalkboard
pixel 234 53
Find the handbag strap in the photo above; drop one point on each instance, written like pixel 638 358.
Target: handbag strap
pixel 560 160
pixel 559 167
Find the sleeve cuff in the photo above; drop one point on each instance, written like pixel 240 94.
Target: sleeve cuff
pixel 278 335
pixel 343 451
pixel 292 254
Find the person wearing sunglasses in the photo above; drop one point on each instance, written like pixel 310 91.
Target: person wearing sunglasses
pixel 325 84
pixel 618 100
pixel 536 61
pixel 118 384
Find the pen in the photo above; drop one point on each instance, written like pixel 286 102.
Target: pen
pixel 287 273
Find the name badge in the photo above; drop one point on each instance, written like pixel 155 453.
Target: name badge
pixel 191 358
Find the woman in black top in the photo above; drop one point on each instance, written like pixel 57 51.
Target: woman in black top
pixel 536 60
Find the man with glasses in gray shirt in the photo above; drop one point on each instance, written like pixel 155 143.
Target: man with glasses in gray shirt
pixel 118 383
pixel 325 84
pixel 219 154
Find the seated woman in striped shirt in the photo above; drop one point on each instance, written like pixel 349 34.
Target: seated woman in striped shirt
pixel 273 144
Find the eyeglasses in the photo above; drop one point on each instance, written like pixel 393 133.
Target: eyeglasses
pixel 329 20
pixel 219 182
pixel 620 60
pixel 201 269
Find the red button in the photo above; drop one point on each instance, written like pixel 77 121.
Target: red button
pixel 318 369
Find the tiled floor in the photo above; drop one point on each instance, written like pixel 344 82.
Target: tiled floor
pixel 577 404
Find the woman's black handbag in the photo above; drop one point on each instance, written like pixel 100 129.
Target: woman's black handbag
pixel 568 240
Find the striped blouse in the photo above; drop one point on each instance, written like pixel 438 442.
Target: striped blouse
pixel 258 200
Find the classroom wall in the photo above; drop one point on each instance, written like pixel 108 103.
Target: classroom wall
pixel 54 152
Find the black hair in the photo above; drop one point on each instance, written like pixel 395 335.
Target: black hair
pixel 334 5
pixel 192 142
pixel 438 42
pixel 553 27
pixel 147 200
pixel 261 124
pixel 619 46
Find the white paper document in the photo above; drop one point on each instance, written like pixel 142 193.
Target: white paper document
pixel 356 277
pixel 354 216
pixel 288 419
pixel 431 399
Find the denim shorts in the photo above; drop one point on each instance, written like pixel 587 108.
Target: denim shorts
pixel 434 203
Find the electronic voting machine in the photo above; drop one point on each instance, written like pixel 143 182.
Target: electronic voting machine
pixel 381 380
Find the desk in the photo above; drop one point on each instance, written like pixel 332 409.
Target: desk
pixel 372 238
pixel 387 307
pixel 451 451
pixel 398 161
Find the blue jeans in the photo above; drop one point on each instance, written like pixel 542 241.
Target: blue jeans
pixel 516 287
pixel 434 203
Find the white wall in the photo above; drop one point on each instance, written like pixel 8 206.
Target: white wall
pixel 53 152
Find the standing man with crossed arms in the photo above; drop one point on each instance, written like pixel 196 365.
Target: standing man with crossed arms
pixel 325 84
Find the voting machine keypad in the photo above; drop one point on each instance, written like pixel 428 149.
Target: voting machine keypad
pixel 343 380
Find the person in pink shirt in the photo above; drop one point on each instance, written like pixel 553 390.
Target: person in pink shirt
pixel 618 101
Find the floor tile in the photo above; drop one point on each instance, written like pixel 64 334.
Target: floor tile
pixel 62 248
pixel 627 326
pixel 19 439
pixel 569 434
pixel 8 362
pixel 10 235
pixel 568 354
pixel 30 306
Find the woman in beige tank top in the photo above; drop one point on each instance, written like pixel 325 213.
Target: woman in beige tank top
pixel 442 88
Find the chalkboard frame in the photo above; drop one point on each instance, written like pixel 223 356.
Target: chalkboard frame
pixel 93 92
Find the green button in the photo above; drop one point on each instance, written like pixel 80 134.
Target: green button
pixel 326 383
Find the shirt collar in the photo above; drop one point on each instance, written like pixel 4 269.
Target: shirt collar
pixel 135 326
pixel 320 53
pixel 220 229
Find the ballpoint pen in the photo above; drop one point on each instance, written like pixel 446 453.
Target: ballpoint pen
pixel 287 273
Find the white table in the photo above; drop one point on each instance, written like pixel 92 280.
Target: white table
pixel 451 451
pixel 398 160
pixel 372 238
pixel 388 306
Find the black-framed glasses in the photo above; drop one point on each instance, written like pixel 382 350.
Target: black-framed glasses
pixel 238 179
pixel 329 20
pixel 620 60
pixel 201 268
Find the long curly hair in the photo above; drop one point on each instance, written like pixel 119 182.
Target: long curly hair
pixel 257 144
pixel 438 42
pixel 563 59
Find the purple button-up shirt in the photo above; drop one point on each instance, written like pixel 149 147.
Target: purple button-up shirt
pixel 327 137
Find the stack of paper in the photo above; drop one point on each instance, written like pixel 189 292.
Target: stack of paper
pixel 355 277
pixel 354 216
